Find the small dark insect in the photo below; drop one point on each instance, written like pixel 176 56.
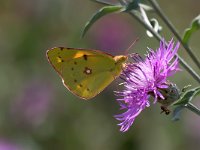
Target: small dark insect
pixel 165 109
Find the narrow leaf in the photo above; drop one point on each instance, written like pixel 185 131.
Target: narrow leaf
pixel 132 5
pixel 102 12
pixel 188 96
pixel 146 7
pixel 185 88
pixel 102 2
pixel 177 113
pixel 193 108
pixel 195 25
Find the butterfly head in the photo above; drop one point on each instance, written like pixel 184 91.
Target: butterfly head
pixel 121 59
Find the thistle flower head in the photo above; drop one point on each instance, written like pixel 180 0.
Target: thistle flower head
pixel 145 78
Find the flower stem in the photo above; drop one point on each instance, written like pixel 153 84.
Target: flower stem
pixel 159 38
pixel 102 2
pixel 174 31
pixel 193 108
pixel 189 69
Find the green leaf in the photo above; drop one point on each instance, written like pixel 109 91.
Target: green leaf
pixel 132 5
pixel 195 25
pixel 193 108
pixel 177 113
pixel 146 7
pixel 185 88
pixel 102 2
pixel 188 96
pixel 102 12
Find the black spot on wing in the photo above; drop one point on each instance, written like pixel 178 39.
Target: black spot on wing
pixel 111 70
pixel 85 57
pixel 61 48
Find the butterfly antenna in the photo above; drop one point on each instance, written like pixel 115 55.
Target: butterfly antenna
pixel 128 49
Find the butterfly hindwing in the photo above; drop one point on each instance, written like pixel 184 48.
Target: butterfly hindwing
pixel 84 72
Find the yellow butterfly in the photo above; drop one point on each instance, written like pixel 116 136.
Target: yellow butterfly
pixel 85 72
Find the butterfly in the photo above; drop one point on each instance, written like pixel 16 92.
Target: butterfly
pixel 85 72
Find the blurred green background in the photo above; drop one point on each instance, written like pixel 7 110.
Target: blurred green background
pixel 38 113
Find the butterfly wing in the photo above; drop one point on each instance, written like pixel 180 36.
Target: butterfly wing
pixel 84 72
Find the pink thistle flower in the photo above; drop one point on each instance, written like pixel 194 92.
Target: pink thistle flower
pixel 144 78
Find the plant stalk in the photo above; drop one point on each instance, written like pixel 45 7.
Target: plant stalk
pixel 159 38
pixel 174 31
pixel 193 108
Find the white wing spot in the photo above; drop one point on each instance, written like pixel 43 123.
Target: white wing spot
pixel 87 71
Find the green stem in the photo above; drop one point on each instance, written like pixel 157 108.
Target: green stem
pixel 189 69
pixel 102 2
pixel 174 31
pixel 193 108
pixel 159 38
